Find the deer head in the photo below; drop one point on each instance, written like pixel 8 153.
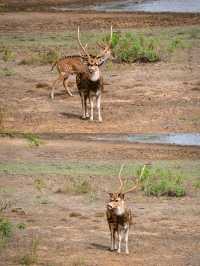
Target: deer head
pixel 117 199
pixel 94 62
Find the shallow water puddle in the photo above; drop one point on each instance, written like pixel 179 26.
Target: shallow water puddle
pixel 140 5
pixel 184 139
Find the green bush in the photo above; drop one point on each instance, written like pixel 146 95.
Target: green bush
pixel 196 184
pixel 7 54
pixel 131 48
pixel 77 186
pixel 158 182
pixel 6 72
pixel 5 228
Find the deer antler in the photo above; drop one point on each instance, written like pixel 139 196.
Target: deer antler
pixel 111 35
pixel 119 176
pixel 137 181
pixel 82 47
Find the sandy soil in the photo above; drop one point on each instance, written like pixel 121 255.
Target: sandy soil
pixel 138 98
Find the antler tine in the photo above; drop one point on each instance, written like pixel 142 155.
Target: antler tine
pixel 111 35
pixel 119 176
pixel 82 47
pixel 137 181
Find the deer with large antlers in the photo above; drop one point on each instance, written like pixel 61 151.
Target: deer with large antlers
pixel 71 65
pixel 90 82
pixel 118 216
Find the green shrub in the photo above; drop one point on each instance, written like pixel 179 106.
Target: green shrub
pixel 196 184
pixel 77 186
pixel 33 139
pixel 5 228
pixel 158 182
pixel 175 43
pixel 7 72
pixel 131 48
pixel 21 226
pixel 7 54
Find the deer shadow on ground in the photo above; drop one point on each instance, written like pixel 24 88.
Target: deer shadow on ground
pixel 71 115
pixel 99 246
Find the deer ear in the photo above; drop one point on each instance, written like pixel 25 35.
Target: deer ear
pixel 110 194
pixel 121 195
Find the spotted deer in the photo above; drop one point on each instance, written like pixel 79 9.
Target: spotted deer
pixel 119 217
pixel 71 65
pixel 90 82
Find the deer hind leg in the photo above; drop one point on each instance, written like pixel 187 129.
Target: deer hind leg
pixel 65 84
pixel 55 83
pixel 99 107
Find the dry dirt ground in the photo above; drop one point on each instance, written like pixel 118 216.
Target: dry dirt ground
pixel 66 229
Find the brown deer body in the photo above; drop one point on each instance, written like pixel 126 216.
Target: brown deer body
pixel 119 217
pixel 66 67
pixel 119 220
pixel 90 90
pixel 90 82
pixel 71 65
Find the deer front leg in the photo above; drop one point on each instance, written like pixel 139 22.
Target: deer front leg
pixel 65 84
pixel 119 240
pixel 126 241
pixel 99 108
pixel 112 234
pixel 91 108
pixel 115 242
pixel 83 105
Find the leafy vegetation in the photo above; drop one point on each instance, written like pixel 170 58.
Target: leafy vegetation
pixel 33 139
pixel 78 186
pixel 161 182
pixel 131 48
pixel 7 72
pixel 196 184
pixel 5 228
pixel 7 54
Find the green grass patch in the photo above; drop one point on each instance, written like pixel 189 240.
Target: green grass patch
pixel 7 54
pixel 133 45
pixel 162 182
pixel 188 168
pixel 6 72
pixel 196 184
pixel 5 228
pixel 41 58
pixel 33 139
pixel 77 186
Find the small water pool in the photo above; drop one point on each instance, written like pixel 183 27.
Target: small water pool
pixel 188 6
pixel 183 139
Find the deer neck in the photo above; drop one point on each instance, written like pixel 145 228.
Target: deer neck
pixel 95 75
